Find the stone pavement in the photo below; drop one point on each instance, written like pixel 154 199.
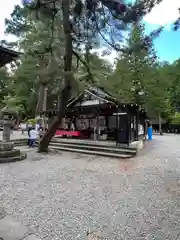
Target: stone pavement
pixel 11 229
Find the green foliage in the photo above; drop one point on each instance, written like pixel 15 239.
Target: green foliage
pixel 100 69
pixel 15 103
pixel 10 112
pixel 37 66
pixel 4 84
pixel 31 121
pixel 138 76
pixel 119 83
pixel 132 72
pixel 173 73
pixel 40 65
pixel 176 119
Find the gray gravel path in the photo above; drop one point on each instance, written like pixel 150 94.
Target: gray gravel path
pixel 62 196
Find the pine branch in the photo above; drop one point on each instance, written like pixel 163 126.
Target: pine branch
pixel 85 64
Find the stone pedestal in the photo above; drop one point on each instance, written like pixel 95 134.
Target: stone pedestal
pixel 7 124
pixel 9 154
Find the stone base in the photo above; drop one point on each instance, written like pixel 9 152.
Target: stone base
pixel 9 154
pixel 21 157
pixel 6 146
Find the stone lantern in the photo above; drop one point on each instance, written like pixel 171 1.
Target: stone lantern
pixel 9 117
pixel 7 151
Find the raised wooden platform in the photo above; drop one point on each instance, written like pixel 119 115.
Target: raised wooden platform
pixel 99 148
pixel 95 142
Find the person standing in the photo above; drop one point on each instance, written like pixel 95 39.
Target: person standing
pixel 33 137
pixel 29 129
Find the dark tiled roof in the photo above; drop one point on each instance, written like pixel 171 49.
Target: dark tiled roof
pixel 7 56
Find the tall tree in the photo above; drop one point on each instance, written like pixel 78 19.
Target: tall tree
pixel 139 78
pixel 76 18
pixel 34 40
pixel 132 71
pixel 158 104
pixel 173 71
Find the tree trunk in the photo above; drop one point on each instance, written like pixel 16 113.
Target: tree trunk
pixel 40 99
pixel 66 92
pixel 59 101
pixel 160 127
pixel 43 89
pixel 44 108
pixel 42 104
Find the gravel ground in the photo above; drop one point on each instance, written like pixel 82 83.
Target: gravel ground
pixel 62 196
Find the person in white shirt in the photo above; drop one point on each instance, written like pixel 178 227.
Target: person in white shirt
pixel 33 135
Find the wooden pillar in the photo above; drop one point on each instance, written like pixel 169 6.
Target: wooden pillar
pixel 128 125
pixel 74 122
pixel 146 128
pixel 107 121
pixel 98 122
pixel 44 108
pixel 137 123
pixel 98 126
pixel 130 130
pixel 117 126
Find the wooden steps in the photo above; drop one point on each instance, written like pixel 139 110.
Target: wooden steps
pixel 86 147
pixel 98 153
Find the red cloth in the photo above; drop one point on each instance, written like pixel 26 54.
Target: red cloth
pixel 67 133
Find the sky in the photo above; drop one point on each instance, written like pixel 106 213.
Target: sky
pixel 164 14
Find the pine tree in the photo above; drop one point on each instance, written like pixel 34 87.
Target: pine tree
pixel 133 68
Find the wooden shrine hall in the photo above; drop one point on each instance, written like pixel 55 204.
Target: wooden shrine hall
pixel 7 56
pixel 95 114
